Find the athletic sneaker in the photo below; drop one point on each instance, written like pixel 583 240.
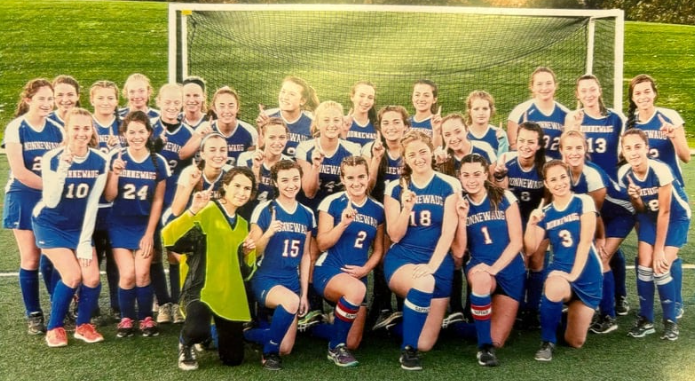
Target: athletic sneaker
pixel 642 328
pixel 410 359
pixel 341 356
pixel 680 310
pixel 670 331
pixel 148 327
pixel 309 320
pixel 178 315
pixel 125 328
pixel 387 319
pixel 35 324
pixel 546 352
pixel 453 317
pixel 164 314
pixel 57 337
pixel 604 324
pixel 622 307
pixel 486 356
pixel 187 358
pixel 88 334
pixel 116 314
pixel 271 361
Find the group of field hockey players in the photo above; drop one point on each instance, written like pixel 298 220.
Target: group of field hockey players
pixel 267 226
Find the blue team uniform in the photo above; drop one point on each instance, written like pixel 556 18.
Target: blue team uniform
pixel 151 113
pixel 477 147
pixel 56 118
pixel 394 166
pixel 424 230
pixel 424 126
pixel 195 124
pixel 563 228
pixel 283 253
pixel 552 124
pixel 495 137
pixel 19 198
pixel 329 177
pixel 104 132
pixel 660 146
pixel 66 215
pixel 131 207
pixel 300 130
pixel 361 134
pixel 487 232
pixel 527 185
pixel 175 140
pixel 603 140
pixel 658 175
pixel 265 191
pixel 240 140
pixel 354 244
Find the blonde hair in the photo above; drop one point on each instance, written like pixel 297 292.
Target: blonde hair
pixel 78 111
pixel 322 108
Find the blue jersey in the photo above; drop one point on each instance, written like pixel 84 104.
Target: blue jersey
pixel 137 185
pixel 284 250
pixel 427 216
pixel 563 228
pixel 594 178
pixel 660 146
pixel 329 174
pixel 174 141
pixel 424 126
pixel 477 147
pixel 193 124
pixel 71 193
pixel 603 140
pixel 207 184
pixel 151 113
pixel 104 132
pixel 240 140
pixel 488 233
pixel 658 175
pixel 494 136
pixel 394 166
pixel 35 143
pixel 552 124
pixel 266 191
pixel 361 134
pixel 355 243
pixel 526 184
pixel 300 130
pixel 56 118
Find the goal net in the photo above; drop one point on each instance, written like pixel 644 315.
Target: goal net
pixel 253 47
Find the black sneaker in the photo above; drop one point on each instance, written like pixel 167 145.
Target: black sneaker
pixel 271 361
pixel 670 331
pixel 622 307
pixel 187 358
pixel 410 359
pixel 486 356
pixel 642 328
pixel 545 353
pixel 604 324
pixel 387 318
pixel 35 324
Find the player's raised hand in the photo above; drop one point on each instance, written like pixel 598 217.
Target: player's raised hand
pixel 262 116
pixel 667 128
pixel 275 225
pixel 633 190
pixel 349 212
pixel 200 199
pixel 537 214
pixel 347 123
pixel 317 155
pixel 462 206
pixel 378 147
pixel 118 164
pixel 248 245
pixel 408 197
pixel 437 122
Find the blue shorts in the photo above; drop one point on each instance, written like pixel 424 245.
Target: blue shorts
pixel 103 218
pixel 397 256
pixel 588 288
pixel 127 233
pixel 50 237
pixel 676 236
pixel 262 284
pixel 511 280
pixel 323 274
pixel 619 226
pixel 16 213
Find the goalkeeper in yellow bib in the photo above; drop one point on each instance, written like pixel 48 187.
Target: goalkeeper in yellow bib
pixel 220 257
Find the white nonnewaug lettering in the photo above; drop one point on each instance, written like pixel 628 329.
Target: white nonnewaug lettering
pixel 568 218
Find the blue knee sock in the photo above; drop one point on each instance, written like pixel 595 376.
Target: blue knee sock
pixel 345 314
pixel 47 269
pixel 645 291
pixel 29 284
pixel 159 283
pixel 619 273
pixel 465 330
pixel 322 331
pixel 282 320
pixel 677 275
pixel 257 335
pixel 551 314
pixel 481 309
pixel 667 294
pixel 416 307
pixel 126 302
pixel 534 290
pixel 174 282
pixel 89 300
pixel 62 296
pixel 144 297
pixel 607 305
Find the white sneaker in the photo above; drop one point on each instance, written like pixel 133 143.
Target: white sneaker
pixel 164 314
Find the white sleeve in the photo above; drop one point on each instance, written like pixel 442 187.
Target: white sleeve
pixel 84 247
pixel 54 181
